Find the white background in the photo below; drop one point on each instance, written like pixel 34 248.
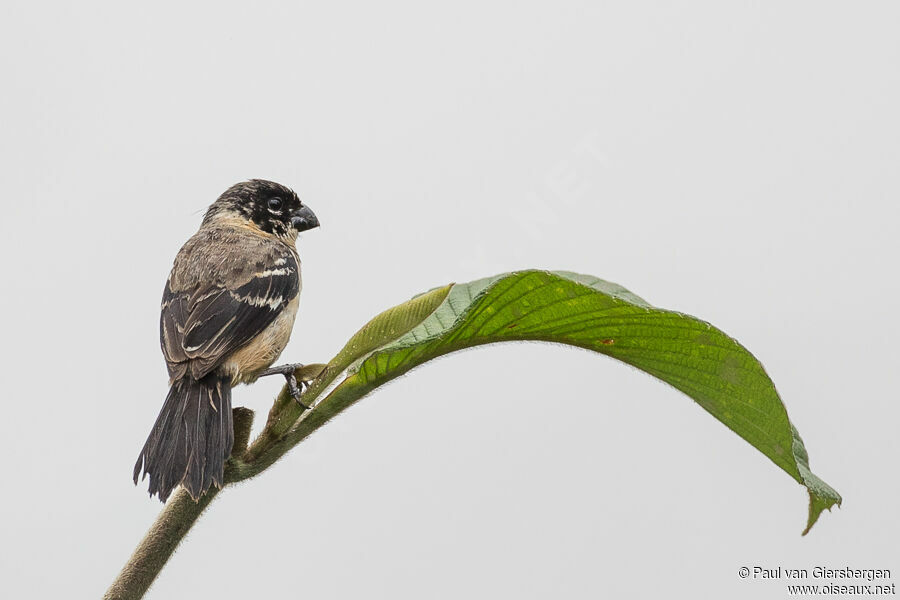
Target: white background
pixel 735 161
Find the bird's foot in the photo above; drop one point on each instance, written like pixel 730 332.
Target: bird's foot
pixel 289 373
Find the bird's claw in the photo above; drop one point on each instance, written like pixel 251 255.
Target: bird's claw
pixel 289 373
pixel 296 389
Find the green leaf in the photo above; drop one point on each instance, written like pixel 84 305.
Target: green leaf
pixel 381 330
pixel 584 311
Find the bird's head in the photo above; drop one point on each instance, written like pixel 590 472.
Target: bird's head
pixel 270 206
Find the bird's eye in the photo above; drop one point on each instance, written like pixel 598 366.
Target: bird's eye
pixel 274 203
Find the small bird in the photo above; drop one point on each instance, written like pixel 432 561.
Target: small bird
pixel 227 313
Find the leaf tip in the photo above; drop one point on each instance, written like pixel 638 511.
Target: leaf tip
pixel 818 504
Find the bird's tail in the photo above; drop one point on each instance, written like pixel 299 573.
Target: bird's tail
pixel 191 438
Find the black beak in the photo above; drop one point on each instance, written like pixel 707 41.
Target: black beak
pixel 304 219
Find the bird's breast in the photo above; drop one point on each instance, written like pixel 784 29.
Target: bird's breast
pixel 246 363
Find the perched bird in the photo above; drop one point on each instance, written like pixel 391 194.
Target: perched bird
pixel 227 313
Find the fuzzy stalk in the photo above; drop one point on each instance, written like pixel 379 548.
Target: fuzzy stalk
pixel 158 544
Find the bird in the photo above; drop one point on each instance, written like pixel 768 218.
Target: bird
pixel 227 313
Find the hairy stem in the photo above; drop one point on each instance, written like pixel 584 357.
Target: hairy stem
pixel 181 512
pixel 158 544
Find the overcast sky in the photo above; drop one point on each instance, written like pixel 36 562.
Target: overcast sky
pixel 734 161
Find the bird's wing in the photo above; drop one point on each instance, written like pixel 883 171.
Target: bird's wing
pixel 220 296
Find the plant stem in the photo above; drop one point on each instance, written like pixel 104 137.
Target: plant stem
pixel 180 513
pixel 158 544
